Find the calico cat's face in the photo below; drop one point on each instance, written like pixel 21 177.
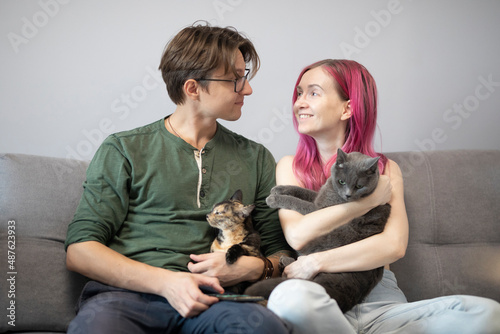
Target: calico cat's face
pixel 354 175
pixel 229 214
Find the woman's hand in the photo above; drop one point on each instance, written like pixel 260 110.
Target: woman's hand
pixel 382 193
pixel 306 267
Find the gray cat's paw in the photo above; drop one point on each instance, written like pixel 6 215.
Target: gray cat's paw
pixel 279 190
pixel 271 200
pixel 285 261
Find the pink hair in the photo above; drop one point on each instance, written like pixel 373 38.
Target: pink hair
pixel 354 83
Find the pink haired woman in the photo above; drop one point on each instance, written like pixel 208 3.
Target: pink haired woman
pixel 335 106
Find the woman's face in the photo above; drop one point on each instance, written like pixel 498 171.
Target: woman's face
pixel 319 109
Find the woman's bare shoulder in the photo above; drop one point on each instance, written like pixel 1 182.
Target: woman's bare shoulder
pixel 284 171
pixel 392 169
pixel 286 161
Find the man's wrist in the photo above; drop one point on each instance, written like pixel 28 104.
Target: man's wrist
pixel 268 269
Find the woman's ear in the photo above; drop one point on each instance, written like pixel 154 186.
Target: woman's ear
pixel 346 112
pixel 191 89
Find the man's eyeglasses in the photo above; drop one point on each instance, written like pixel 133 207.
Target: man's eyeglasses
pixel 239 83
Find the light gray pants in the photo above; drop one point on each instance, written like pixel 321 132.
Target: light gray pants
pixel 306 306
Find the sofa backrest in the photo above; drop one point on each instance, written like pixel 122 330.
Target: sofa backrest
pixel 452 200
pixel 38 198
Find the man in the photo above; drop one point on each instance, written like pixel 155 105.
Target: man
pixel 140 231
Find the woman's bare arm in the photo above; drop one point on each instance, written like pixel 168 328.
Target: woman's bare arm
pixel 373 252
pixel 300 229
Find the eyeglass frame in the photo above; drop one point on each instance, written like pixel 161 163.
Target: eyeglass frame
pixel 235 81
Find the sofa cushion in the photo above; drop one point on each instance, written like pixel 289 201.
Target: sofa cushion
pixel 39 196
pixel 452 204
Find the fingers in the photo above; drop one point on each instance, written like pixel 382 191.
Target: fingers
pixel 205 300
pixel 385 189
pixel 190 301
pixel 304 268
pixel 210 282
pixel 285 272
pixel 194 268
pixel 201 264
pixel 209 264
pixel 199 257
pixel 189 310
pixel 200 301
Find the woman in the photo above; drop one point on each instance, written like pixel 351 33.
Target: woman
pixel 335 106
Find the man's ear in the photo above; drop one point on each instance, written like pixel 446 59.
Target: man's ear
pixel 191 89
pixel 347 112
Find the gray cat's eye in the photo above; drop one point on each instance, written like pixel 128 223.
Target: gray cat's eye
pixel 342 182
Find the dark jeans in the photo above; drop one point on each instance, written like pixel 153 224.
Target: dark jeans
pixel 109 310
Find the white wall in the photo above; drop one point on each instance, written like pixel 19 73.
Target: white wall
pixel 75 71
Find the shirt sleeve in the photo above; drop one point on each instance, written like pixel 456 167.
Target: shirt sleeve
pixel 104 203
pixel 266 220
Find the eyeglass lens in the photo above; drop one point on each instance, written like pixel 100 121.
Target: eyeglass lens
pixel 240 84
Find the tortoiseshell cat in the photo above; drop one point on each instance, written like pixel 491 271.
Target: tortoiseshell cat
pixel 236 235
pixel 353 176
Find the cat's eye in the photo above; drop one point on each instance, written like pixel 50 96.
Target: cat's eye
pixel 358 186
pixel 342 182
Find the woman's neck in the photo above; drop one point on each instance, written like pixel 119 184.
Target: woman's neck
pixel 328 146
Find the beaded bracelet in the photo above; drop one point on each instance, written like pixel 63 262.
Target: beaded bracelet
pixel 268 269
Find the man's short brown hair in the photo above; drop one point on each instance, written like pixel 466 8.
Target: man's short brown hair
pixel 198 50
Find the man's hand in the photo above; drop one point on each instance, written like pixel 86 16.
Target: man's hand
pixel 183 293
pixel 247 268
pixel 181 289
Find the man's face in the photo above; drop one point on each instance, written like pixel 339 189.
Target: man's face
pixel 221 101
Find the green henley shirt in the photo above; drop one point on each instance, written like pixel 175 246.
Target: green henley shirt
pixel 147 193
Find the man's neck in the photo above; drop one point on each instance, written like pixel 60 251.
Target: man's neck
pixel 191 127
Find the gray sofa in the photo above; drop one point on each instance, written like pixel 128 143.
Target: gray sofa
pixel 452 201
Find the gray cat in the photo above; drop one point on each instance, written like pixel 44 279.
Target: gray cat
pixel 353 176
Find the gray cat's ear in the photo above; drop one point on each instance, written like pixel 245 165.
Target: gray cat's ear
pixel 372 165
pixel 247 209
pixel 237 196
pixel 341 158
